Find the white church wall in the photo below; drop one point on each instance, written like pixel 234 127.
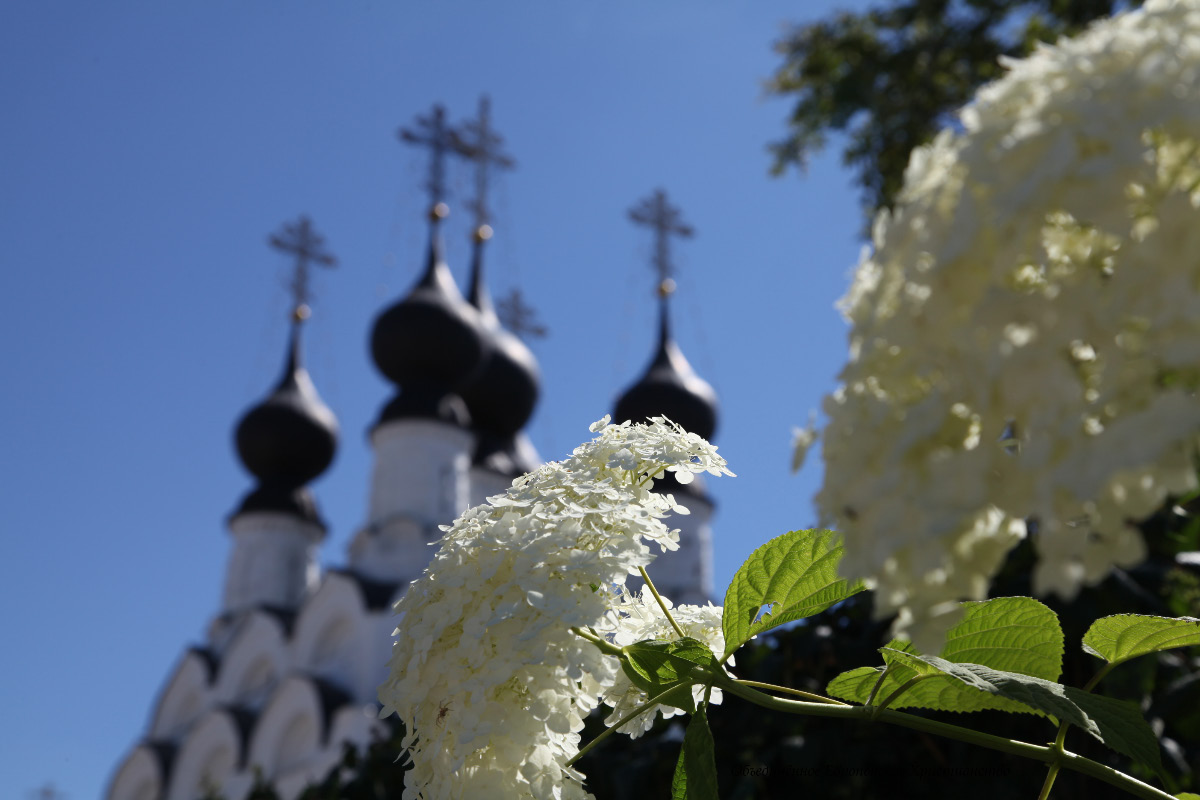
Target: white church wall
pixel 420 481
pixel 350 724
pixel 421 471
pixel 255 659
pixel 377 651
pixel 138 778
pixel 208 758
pixel 294 745
pixel 325 630
pixel 273 561
pixel 184 698
pixel 358 724
pixel 485 483
pixel 287 734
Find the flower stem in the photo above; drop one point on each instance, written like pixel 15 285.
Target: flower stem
pixel 1043 753
pixel 1056 764
pixel 1051 774
pixel 661 604
pixel 887 701
pixel 651 476
pixel 1061 738
pixel 816 698
pixel 653 701
pixel 1099 676
pixel 606 647
pixel 878 683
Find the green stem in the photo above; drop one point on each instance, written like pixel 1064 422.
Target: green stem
pixel 1051 775
pixel 649 477
pixel 606 647
pixel 878 683
pixel 653 701
pixel 887 701
pixel 1099 676
pixel 1061 737
pixel 1113 777
pixel 1043 753
pixel 816 698
pixel 864 713
pixel 1058 749
pixel 661 604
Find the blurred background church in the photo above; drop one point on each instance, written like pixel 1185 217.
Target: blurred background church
pixel 150 148
pixel 287 673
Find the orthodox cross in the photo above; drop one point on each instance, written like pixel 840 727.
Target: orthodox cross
pixel 482 145
pixel 308 246
pixel 433 132
pixel 664 218
pixel 518 317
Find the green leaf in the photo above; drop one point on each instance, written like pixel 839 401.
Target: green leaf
pixel 1124 636
pixel 680 696
pixel 901 659
pixel 696 771
pixel 1187 796
pixel 668 660
pixel 789 578
pixel 1117 723
pixel 854 685
pixel 1017 634
pixel 1014 634
pixel 659 665
pixel 1122 726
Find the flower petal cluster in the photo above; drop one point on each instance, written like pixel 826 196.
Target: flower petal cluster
pixel 484 670
pixel 638 617
pixel 1025 335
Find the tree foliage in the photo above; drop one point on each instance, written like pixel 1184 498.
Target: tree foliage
pixel 891 77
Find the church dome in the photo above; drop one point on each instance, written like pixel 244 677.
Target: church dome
pixel 502 396
pixel 289 438
pixel 430 343
pixel 670 388
pixel 501 400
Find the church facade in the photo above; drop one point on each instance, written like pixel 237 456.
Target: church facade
pixel 287 673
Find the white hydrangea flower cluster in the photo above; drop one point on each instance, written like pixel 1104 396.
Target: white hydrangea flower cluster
pixel 1026 328
pixel 638 617
pixel 484 669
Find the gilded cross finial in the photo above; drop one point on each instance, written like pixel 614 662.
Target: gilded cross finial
pixel 655 212
pixel 308 247
pixel 518 317
pixel 481 144
pixel 433 132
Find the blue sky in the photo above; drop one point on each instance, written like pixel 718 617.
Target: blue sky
pixel 149 148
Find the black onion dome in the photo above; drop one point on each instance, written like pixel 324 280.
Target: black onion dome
pixel 507 455
pixel 502 396
pixel 670 388
pixel 429 344
pixel 289 438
